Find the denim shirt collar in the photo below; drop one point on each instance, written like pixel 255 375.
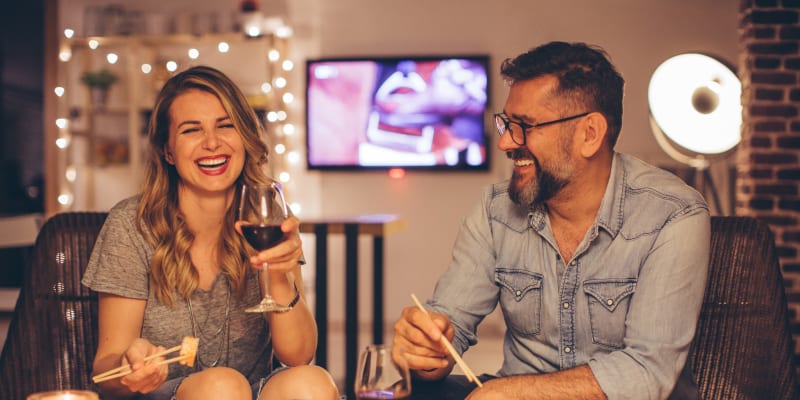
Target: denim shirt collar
pixel 609 216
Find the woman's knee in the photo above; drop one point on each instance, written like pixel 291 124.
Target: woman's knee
pixel 218 382
pixel 305 381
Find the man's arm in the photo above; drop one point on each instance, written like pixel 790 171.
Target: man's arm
pixel 570 384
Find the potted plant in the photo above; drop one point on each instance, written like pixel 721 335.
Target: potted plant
pixel 99 82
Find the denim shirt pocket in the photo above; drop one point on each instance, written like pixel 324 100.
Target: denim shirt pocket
pixel 608 301
pixel 520 299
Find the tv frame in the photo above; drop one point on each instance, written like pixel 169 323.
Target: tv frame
pixel 482 59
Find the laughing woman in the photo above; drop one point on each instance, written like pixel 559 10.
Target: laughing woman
pixel 169 263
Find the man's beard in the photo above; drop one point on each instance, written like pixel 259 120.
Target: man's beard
pixel 542 188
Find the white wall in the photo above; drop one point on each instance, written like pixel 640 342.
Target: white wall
pixel 638 34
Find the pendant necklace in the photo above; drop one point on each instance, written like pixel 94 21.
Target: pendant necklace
pixel 224 329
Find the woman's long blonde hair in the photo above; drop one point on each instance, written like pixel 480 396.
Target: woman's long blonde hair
pixel 160 220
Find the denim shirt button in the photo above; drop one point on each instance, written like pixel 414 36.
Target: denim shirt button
pixel 610 302
pixel 518 293
pixel 567 350
pixel 566 306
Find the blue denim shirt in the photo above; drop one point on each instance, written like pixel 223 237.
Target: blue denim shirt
pixel 626 304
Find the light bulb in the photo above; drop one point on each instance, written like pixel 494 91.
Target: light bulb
pixel 112 58
pixel 59 91
pixel 223 47
pixel 194 53
pixel 274 55
pixel 65 199
pixel 147 68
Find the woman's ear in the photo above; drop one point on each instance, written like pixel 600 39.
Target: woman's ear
pixel 168 155
pixel 594 136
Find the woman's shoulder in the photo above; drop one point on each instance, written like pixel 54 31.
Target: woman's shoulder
pixel 126 207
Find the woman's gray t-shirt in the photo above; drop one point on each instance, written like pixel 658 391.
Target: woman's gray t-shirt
pixel 120 265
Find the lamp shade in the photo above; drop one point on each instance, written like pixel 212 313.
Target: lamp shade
pixel 695 101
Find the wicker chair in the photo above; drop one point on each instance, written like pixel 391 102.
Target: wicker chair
pixel 743 348
pixel 52 337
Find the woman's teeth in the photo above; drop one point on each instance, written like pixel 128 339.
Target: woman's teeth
pixel 212 162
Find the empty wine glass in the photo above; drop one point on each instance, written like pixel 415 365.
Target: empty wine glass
pixel 262 210
pixel 380 377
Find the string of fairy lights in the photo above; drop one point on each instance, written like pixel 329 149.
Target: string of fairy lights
pixel 274 99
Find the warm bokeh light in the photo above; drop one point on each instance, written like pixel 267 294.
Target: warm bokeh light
pixel 93 44
pixel 397 173
pixel 280 148
pixel 284 32
pixel 65 199
pixel 287 65
pixel 172 66
pixel 65 55
pixel 68 33
pixel 274 55
pixel 194 53
pixel 62 143
pixel 147 68
pixel 288 98
pixel 293 157
pixel 223 47
pixel 112 58
pixel 71 174
pixel 266 87
pixel 59 90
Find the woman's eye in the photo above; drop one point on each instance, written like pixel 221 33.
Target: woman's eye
pixel 190 130
pixel 226 126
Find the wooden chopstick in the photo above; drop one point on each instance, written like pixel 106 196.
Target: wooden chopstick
pixel 463 365
pixel 114 372
pixel 98 379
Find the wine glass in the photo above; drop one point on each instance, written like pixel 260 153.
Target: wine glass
pixel 380 377
pixel 262 209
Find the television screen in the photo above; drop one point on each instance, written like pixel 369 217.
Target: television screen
pixel 407 112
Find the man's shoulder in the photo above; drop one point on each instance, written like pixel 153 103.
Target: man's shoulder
pixel 642 177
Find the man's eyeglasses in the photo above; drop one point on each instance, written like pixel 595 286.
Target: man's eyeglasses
pixel 519 133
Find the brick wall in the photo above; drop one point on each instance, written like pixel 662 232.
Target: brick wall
pixel 768 184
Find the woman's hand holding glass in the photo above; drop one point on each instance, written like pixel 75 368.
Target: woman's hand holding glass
pixel 283 257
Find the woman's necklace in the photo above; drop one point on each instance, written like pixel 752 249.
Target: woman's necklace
pixel 224 328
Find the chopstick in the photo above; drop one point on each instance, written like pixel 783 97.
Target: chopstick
pixel 98 379
pixel 463 365
pixel 126 369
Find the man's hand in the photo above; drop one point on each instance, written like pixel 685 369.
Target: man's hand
pixel 417 340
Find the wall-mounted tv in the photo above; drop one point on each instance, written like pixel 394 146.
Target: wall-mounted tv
pixel 397 112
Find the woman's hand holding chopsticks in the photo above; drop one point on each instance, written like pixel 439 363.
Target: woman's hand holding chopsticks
pixel 142 368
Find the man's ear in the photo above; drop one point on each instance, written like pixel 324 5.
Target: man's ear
pixel 168 155
pixel 595 129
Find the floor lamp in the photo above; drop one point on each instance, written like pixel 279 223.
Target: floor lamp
pixel 696 114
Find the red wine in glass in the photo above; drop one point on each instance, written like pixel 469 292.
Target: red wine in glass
pixel 262 237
